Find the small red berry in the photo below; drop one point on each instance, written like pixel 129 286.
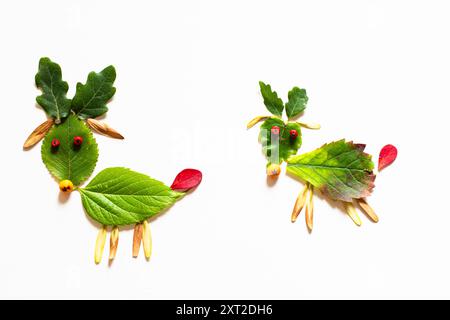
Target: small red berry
pixel 275 130
pixel 293 134
pixel 77 141
pixel 55 143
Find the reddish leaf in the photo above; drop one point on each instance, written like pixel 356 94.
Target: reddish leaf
pixel 187 179
pixel 387 155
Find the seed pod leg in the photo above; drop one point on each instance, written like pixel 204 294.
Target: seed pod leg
pixel 147 240
pixel 367 209
pixel 310 208
pixel 137 238
pixel 299 203
pixel 113 242
pixel 351 211
pixel 100 245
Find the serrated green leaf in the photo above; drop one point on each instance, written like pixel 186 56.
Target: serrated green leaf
pixel 119 196
pixel 271 100
pixel 297 102
pixel 53 99
pixel 90 99
pixel 280 149
pixel 67 161
pixel 339 169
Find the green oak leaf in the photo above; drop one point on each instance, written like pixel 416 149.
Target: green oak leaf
pixel 90 99
pixel 271 100
pixel 286 147
pixel 119 196
pixel 297 102
pixel 53 99
pixel 339 169
pixel 68 161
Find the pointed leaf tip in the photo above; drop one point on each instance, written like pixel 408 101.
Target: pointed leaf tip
pixel 387 156
pixel 187 179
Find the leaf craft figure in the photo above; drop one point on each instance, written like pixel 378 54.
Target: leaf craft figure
pixel 116 196
pixel 340 170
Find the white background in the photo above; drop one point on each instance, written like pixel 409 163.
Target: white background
pixel 376 72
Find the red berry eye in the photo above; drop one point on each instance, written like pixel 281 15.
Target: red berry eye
pixel 293 134
pixel 77 141
pixel 275 130
pixel 55 143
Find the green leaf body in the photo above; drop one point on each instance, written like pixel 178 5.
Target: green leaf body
pixel 339 169
pixel 53 99
pixel 273 103
pixel 68 161
pixel 119 196
pixel 90 99
pixel 297 102
pixel 286 147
